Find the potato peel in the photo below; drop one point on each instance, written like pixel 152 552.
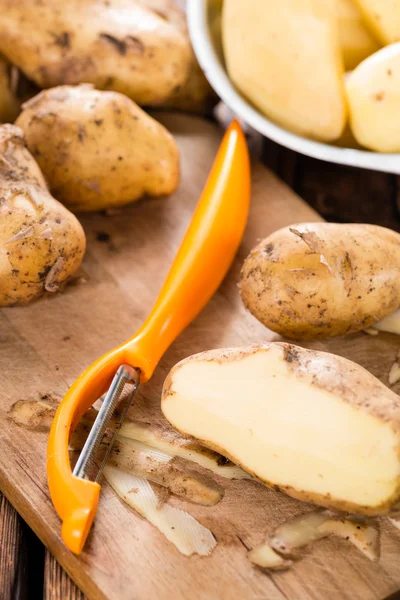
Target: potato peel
pixel 191 451
pixel 363 536
pixel 299 532
pixel 306 529
pixel 180 528
pixel 264 556
pixel 130 455
pixel 150 463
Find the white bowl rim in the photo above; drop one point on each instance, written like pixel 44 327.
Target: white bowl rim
pixel 219 80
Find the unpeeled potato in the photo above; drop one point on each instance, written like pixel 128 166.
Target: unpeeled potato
pixel 195 93
pixel 121 45
pixel 41 242
pixel 98 149
pixel 318 280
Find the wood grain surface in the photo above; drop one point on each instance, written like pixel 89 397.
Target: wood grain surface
pixel 13 564
pixel 43 347
pixel 57 584
pixel 21 556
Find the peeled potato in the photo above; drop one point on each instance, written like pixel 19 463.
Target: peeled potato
pixel 98 149
pixel 317 426
pixel 319 280
pixel 285 58
pixel 383 18
pixel 41 242
pixel 356 41
pixel 373 91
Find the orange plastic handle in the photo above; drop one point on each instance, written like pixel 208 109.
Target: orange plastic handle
pixel 201 263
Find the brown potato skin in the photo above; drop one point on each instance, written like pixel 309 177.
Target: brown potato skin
pixel 342 377
pixel 120 45
pixel 319 280
pixel 55 235
pixel 194 95
pixel 98 149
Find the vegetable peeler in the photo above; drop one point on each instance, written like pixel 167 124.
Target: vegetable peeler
pixel 200 265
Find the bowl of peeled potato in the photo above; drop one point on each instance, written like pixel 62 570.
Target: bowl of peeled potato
pixel 320 77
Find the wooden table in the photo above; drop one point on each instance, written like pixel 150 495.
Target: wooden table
pixel 342 194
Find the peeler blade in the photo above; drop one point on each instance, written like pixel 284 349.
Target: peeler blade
pixel 85 464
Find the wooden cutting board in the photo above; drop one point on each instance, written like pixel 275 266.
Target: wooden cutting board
pixel 43 347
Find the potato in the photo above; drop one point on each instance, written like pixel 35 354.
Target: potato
pixel 98 149
pixel 195 93
pixel 356 41
pixel 121 45
pixel 373 91
pixel 41 242
pixel 317 426
pixel 383 18
pixel 285 58
pixel 318 280
pixel 169 10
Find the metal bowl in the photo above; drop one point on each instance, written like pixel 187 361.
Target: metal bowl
pixel 203 16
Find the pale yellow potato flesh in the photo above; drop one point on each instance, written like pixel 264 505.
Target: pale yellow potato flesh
pixel 391 323
pixel 356 41
pixel 382 17
pixel 285 57
pixel 317 426
pixel 373 91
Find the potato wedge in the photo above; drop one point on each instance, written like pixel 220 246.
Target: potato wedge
pixel 373 91
pixel 383 18
pixel 285 58
pixel 121 45
pixel 314 425
pixel 41 242
pixel 318 280
pixel 356 41
pixel 98 149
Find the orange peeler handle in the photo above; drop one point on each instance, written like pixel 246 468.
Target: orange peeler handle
pixel 202 261
pixel 204 257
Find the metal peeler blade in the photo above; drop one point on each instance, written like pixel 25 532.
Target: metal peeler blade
pixel 86 462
